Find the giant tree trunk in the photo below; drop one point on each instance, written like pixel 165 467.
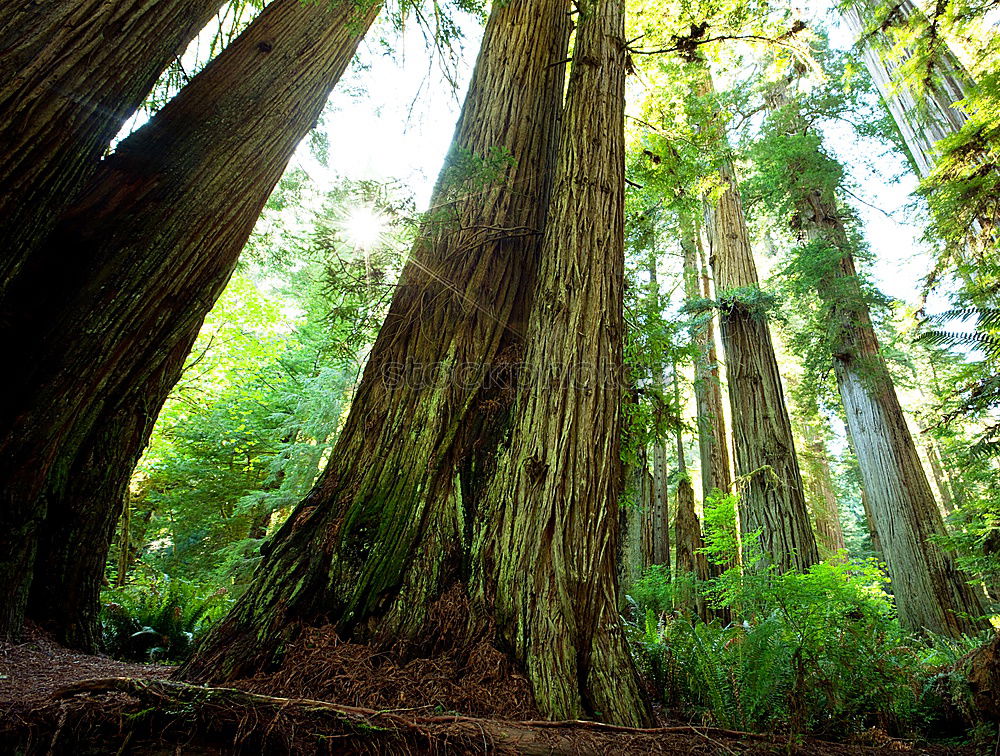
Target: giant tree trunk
pixel 716 474
pixel 146 250
pixel 385 530
pixel 771 495
pixel 549 534
pixel 71 73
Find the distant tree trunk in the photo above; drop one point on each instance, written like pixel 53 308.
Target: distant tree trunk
pixel 930 591
pixel 385 530
pixel 659 500
pixel 71 73
pixel 690 560
pixel 649 533
pixel 124 542
pixel 716 473
pixel 819 485
pixel 150 244
pixel 659 508
pixel 772 500
pixel 549 532
pixel 940 476
pixel 925 117
pixel 632 558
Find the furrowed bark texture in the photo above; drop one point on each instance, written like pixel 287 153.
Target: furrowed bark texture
pixel 922 118
pixel 384 531
pixel 549 535
pixel 150 244
pixel 71 73
pixel 931 593
pixel 716 473
pixel 772 500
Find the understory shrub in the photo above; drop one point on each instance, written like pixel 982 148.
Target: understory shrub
pixel 158 620
pixel 820 652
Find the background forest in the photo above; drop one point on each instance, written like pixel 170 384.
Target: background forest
pixel 676 396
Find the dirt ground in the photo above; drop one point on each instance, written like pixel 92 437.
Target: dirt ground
pixel 134 709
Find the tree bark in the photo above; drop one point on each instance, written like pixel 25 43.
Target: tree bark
pixel 716 474
pixel 659 509
pixel 925 117
pixel 633 517
pixel 930 591
pixel 940 476
pixel 385 531
pixel 772 500
pixel 549 533
pixel 71 73
pixel 146 250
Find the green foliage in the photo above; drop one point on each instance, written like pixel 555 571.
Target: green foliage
pixel 819 652
pixel 720 529
pixel 160 619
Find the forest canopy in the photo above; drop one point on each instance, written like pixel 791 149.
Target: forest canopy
pixel 670 408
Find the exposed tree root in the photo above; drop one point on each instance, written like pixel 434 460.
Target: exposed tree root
pixel 130 715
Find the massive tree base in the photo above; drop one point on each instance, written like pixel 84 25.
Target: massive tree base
pixel 127 715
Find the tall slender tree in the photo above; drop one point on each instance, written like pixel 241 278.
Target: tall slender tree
pixel 815 458
pixel 145 251
pixel 71 73
pixel 658 514
pixel 716 473
pixel 772 500
pixel 930 591
pixel 385 531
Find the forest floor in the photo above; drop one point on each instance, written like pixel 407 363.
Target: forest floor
pixel 56 701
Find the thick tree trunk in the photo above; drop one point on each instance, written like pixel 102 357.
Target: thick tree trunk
pixel 146 250
pixel 772 499
pixel 549 533
pixel 925 117
pixel 71 73
pixel 385 530
pixel 716 474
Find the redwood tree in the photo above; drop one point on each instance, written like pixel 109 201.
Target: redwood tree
pixel 71 73
pixel 548 537
pixel 772 500
pixel 930 591
pixel 716 473
pixel 145 251
pixel 385 530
